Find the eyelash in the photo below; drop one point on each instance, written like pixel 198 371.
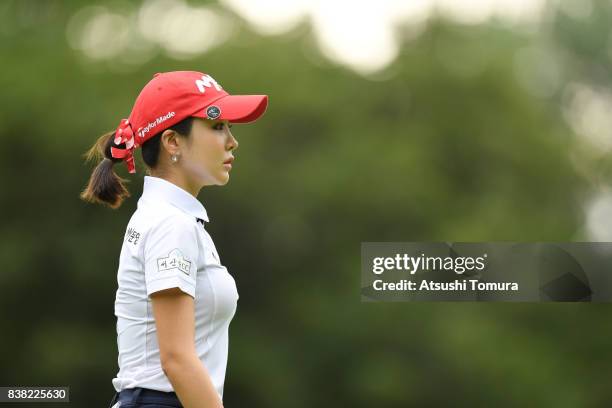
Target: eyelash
pixel 216 127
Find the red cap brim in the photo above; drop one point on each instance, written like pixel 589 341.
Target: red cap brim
pixel 237 108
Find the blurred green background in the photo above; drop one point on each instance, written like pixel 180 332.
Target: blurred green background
pixel 428 120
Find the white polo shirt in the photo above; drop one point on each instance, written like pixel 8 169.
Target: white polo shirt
pixel 164 247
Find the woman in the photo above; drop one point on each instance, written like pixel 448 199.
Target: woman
pixel 175 299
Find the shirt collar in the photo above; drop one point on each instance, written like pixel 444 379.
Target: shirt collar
pixel 156 189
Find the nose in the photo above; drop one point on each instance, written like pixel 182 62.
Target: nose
pixel 232 142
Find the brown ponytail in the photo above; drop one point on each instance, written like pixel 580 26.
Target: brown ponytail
pixel 104 187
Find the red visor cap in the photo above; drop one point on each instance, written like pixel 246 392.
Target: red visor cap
pixel 170 97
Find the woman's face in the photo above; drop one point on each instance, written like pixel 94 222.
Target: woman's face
pixel 210 144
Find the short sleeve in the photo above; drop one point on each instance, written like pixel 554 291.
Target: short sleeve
pixel 171 255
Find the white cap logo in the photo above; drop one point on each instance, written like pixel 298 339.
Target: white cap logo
pixel 206 82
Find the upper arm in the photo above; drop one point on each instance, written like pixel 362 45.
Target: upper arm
pixel 175 322
pixel 171 255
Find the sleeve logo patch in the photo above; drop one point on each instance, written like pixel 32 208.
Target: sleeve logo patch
pixel 132 236
pixel 175 259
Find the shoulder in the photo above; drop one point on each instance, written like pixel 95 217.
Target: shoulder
pixel 170 227
pixel 159 222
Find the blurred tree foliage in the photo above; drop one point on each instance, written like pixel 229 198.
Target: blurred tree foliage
pixel 445 146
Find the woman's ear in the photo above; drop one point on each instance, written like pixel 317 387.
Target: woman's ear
pixel 169 141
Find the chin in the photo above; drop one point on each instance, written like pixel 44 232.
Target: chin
pixel 224 180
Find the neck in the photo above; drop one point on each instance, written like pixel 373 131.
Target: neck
pixel 179 180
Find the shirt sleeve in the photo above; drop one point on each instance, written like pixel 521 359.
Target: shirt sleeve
pixel 171 255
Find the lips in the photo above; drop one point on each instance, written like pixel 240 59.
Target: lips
pixel 229 161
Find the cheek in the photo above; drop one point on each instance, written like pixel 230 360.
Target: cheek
pixel 212 152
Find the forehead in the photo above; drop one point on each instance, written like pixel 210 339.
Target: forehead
pixel 207 122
